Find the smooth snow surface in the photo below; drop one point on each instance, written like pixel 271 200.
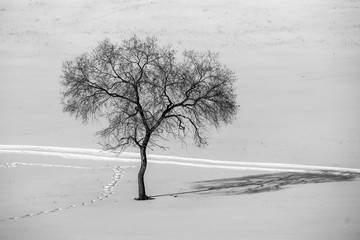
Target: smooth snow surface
pixel 61 201
pixel 298 88
pixel 297 64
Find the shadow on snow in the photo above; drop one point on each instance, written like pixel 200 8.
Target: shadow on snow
pixel 264 182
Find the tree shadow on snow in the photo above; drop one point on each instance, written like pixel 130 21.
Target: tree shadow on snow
pixel 264 182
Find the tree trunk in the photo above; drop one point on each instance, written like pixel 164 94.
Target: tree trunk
pixel 141 184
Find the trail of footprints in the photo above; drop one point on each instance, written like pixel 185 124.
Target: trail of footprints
pixel 108 189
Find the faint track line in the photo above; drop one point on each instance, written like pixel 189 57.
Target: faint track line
pixel 97 155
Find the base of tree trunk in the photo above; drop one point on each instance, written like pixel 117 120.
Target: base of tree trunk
pixel 144 198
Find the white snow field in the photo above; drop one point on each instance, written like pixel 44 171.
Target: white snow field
pixel 50 193
pixel 287 168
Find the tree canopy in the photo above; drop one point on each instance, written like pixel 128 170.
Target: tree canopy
pixel 145 93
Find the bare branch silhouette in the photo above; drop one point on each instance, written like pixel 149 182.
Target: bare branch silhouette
pixel 145 94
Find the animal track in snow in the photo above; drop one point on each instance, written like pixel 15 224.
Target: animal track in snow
pixel 108 189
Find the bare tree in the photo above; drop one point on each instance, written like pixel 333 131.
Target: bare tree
pixel 146 95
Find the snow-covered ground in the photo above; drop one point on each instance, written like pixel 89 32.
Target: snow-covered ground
pixel 57 197
pixel 298 68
